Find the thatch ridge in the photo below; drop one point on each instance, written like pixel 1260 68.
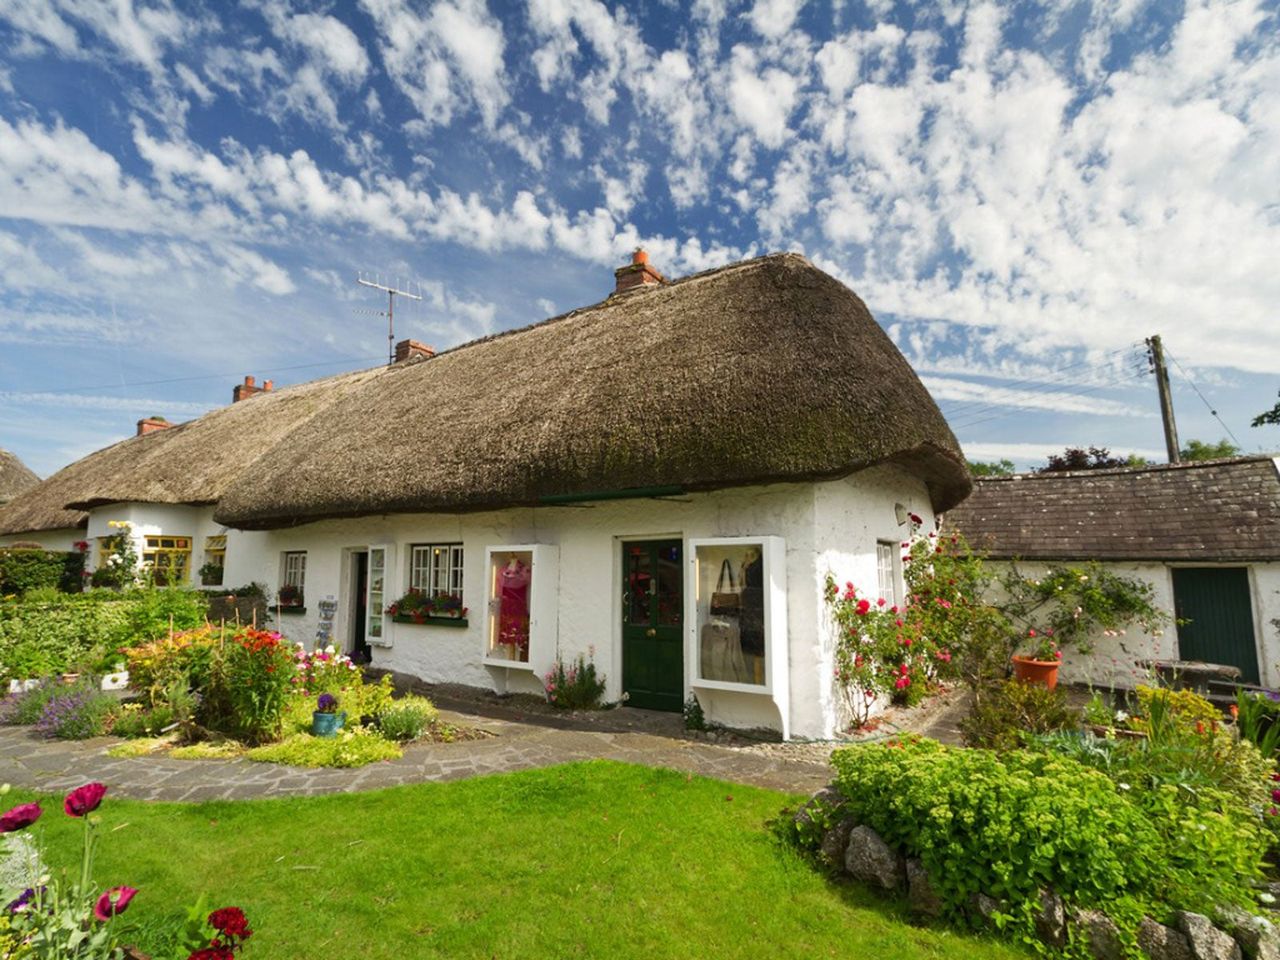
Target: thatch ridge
pixel 763 371
pixel 15 476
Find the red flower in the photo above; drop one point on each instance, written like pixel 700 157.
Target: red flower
pixel 84 800
pixel 231 922
pixel 863 607
pixel 20 817
pixel 213 953
pixel 881 602
pixel 109 906
pixel 915 518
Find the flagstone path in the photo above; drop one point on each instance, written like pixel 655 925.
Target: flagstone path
pixel 34 763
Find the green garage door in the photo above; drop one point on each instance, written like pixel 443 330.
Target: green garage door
pixel 1215 604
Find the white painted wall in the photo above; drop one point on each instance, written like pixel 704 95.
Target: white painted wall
pixel 850 516
pixel 61 539
pixel 1265 580
pixel 824 525
pixel 162 519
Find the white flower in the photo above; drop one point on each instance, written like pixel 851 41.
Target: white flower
pixel 1121 716
pixel 329 649
pixel 1123 786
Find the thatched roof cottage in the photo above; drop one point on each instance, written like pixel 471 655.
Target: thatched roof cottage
pixel 664 477
pixel 15 476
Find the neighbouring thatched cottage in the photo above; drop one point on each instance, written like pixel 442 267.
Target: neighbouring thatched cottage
pixel 15 476
pixel 1205 535
pixel 663 479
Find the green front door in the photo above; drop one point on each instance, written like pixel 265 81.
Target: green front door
pixel 652 614
pixel 1217 609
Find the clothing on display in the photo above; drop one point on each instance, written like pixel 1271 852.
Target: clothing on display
pixel 513 609
pixel 731 633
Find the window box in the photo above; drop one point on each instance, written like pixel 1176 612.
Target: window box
pixel 296 609
pixel 429 621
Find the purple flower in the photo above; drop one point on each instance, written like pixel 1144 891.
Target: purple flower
pixel 1273 696
pixel 23 901
pixel 327 703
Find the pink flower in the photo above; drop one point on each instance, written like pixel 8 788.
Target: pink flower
pixel 84 800
pixel 20 817
pixel 1031 632
pixel 109 906
pixel 881 602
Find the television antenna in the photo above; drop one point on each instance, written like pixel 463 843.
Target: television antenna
pixel 392 290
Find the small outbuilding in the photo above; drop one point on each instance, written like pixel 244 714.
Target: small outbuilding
pixel 1205 535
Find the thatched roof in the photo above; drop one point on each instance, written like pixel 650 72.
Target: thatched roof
pixel 191 463
pixel 14 476
pixel 1207 512
pixel 764 371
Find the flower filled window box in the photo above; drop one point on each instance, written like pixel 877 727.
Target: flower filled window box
pixel 289 597
pixel 441 609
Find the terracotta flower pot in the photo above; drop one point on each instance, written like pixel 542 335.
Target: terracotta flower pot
pixel 1043 672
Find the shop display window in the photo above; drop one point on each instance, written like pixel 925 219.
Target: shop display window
pixel 730 605
pixel 511 574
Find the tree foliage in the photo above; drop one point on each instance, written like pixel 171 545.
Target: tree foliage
pixel 1094 458
pixel 993 468
pixel 1199 450
pixel 1268 417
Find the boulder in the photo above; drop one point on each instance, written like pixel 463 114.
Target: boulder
pixel 1099 934
pixel 1207 941
pixel 1051 920
pixel 823 802
pixel 1258 937
pixel 983 905
pixel 836 841
pixel 1163 943
pixel 872 860
pixel 921 897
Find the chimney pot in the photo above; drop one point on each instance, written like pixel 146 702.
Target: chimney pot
pixel 151 425
pixel 248 381
pixel 243 391
pixel 413 348
pixel 268 384
pixel 637 274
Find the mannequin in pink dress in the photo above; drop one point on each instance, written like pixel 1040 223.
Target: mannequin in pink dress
pixel 513 606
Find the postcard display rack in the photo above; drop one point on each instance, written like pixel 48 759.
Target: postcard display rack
pixel 736 614
pixel 522 608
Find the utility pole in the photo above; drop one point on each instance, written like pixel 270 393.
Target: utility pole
pixel 1155 354
pixel 392 292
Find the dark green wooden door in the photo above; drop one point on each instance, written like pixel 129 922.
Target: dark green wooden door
pixel 1217 608
pixel 652 614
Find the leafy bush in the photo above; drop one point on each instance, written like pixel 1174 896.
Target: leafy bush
pixel 57 632
pixel 1160 708
pixel 186 658
pixel 1258 719
pixel 1007 824
pixel 576 687
pixel 208 750
pixel 22 571
pixel 1004 713
pixel 352 747
pixel 77 712
pixel 407 718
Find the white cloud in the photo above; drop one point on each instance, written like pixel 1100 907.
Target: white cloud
pixel 762 102
pixel 773 18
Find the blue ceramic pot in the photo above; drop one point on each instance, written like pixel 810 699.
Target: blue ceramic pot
pixel 327 724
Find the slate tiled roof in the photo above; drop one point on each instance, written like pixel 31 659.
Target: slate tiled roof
pixel 1216 510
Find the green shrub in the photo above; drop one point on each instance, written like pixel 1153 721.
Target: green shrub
pixel 67 630
pixel 1008 824
pixel 253 678
pixel 23 570
pixel 407 718
pixel 1004 713
pixel 352 747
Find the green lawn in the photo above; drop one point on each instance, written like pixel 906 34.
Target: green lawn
pixel 595 859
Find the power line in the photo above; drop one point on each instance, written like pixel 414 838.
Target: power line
pixel 1057 376
pixel 211 376
pixel 1208 405
pixel 1065 396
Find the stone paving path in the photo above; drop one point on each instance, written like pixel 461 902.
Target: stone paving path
pixel 34 763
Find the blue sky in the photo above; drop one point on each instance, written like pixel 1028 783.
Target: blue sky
pixel 1021 193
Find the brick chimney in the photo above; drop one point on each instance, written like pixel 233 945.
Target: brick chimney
pixel 412 348
pixel 243 391
pixel 152 424
pixel 637 274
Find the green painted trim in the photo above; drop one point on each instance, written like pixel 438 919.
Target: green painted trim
pixel 430 621
pixel 635 493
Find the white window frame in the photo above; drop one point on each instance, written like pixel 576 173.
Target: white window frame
pixel 294 574
pixel 431 563
pixel 887 571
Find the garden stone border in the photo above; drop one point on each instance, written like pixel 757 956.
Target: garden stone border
pixel 855 850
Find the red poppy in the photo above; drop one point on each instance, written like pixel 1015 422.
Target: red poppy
pixel 20 817
pixel 109 906
pixel 84 800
